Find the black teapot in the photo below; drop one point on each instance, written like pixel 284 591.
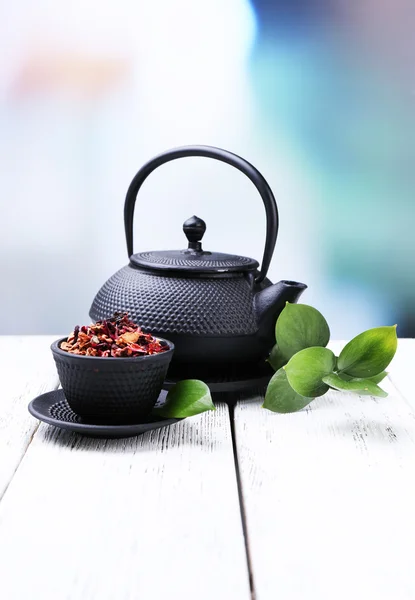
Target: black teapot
pixel 216 308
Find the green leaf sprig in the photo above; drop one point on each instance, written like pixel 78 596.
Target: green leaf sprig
pixel 186 398
pixel 306 369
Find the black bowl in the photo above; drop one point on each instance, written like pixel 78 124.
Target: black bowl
pixel 112 390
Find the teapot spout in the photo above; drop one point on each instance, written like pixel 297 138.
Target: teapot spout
pixel 269 302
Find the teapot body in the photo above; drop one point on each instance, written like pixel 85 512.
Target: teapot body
pixel 218 309
pixel 209 319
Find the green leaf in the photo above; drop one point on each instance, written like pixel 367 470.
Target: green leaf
pixel 306 369
pixel 276 358
pixel 186 399
pixel 369 353
pixel 359 386
pixel 280 396
pixel 379 377
pixel 375 379
pixel 300 326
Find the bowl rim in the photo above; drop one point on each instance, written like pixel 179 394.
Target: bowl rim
pixel 55 347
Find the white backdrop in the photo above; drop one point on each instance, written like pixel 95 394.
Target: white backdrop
pixel 89 91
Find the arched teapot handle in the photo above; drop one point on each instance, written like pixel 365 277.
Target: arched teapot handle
pixel 223 155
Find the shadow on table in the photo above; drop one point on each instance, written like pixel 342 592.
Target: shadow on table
pixel 182 433
pixel 373 431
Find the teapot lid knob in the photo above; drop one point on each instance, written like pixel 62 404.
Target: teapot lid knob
pixel 194 228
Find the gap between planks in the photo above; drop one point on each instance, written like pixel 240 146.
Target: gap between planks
pixel 292 468
pixel 3 492
pixel 158 513
pixel 27 370
pixel 241 501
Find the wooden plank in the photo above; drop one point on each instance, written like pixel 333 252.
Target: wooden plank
pixel 329 496
pixel 142 518
pixel 401 370
pixel 27 370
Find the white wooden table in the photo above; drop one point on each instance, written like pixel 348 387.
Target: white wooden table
pixel 315 505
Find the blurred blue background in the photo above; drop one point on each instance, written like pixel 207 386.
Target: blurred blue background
pixel 318 94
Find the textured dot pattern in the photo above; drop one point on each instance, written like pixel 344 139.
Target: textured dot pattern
pixel 154 257
pixel 205 306
pixel 61 411
pixel 117 390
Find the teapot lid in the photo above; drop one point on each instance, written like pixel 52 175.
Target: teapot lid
pixel 194 259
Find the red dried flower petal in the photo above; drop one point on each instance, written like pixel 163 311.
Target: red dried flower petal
pixel 118 336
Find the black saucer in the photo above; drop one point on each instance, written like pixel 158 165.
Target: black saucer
pixel 232 378
pixel 52 408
